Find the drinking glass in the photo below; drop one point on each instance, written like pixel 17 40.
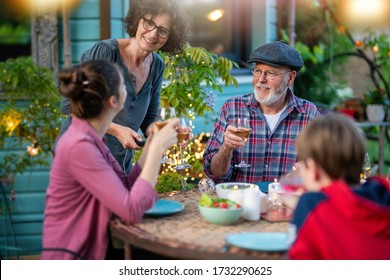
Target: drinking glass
pixel 291 187
pixel 165 113
pixel 243 130
pixel 292 181
pixel 366 169
pixel 183 136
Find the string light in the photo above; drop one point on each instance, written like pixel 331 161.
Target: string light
pixel 11 121
pixel 33 150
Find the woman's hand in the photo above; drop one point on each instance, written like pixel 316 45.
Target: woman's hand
pixel 156 143
pixel 166 136
pixel 125 136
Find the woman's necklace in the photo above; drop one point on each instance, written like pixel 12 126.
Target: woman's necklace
pixel 132 77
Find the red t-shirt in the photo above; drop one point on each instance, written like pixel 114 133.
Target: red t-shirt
pixel 342 223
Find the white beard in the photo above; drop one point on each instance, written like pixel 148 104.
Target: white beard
pixel 274 95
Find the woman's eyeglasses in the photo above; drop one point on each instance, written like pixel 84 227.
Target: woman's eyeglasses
pixel 149 25
pixel 269 74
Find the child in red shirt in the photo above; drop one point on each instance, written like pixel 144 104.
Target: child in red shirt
pixel 337 218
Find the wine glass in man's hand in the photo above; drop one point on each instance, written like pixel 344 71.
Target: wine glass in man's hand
pixel 243 131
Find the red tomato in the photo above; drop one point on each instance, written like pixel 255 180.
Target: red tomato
pixel 223 205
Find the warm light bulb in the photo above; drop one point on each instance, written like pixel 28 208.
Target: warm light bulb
pixel 215 15
pixel 32 151
pixel 364 12
pixel 10 124
pixel 364 7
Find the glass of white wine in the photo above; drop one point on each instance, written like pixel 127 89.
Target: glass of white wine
pixel 243 130
pixel 164 114
pixel 183 136
pixel 366 169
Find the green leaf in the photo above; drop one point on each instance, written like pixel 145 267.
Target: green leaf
pixel 198 67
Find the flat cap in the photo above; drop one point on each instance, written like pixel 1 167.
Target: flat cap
pixel 277 53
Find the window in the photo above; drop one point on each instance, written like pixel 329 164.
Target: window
pixel 220 26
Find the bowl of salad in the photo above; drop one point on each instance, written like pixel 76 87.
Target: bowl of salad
pixel 224 189
pixel 219 211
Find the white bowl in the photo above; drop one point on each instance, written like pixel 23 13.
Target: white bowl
pixel 223 189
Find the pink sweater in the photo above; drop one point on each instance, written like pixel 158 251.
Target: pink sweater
pixel 86 187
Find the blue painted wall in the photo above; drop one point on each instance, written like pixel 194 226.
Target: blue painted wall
pixel 27 211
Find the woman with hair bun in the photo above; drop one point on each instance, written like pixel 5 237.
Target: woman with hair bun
pixel 87 185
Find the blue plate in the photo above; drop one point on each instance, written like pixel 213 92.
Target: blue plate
pixel 259 241
pixel 263 186
pixel 165 207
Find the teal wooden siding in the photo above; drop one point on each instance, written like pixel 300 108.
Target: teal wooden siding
pixel 27 210
pixel 85 26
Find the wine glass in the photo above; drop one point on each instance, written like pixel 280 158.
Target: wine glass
pixel 243 130
pixel 291 187
pixel 292 181
pixel 366 169
pixel 165 113
pixel 183 136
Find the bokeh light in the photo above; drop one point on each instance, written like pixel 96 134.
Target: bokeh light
pixel 366 13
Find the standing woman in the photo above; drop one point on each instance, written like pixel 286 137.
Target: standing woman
pixel 86 184
pixel 152 25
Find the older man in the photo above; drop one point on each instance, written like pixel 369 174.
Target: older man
pixel 275 115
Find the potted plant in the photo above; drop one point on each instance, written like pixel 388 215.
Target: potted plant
pixel 29 115
pixel 375 102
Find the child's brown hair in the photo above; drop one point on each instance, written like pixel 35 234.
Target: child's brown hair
pixel 336 144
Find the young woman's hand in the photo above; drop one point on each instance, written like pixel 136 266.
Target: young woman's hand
pixel 166 137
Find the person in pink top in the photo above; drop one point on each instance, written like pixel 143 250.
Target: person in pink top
pixel 87 185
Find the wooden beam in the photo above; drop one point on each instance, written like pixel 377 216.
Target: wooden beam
pixel 66 36
pixel 291 22
pixel 105 19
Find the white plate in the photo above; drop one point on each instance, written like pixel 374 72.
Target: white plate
pixel 164 207
pixel 259 241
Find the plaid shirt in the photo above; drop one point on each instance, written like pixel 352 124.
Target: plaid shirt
pixel 271 154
